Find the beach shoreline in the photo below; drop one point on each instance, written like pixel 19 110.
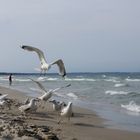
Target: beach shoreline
pixel 85 125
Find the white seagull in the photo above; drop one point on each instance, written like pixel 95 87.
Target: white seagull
pixel 47 94
pixel 30 107
pixel 66 111
pixel 44 65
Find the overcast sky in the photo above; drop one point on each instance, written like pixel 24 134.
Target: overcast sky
pixel 89 35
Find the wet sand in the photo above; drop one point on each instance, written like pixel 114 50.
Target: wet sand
pixel 84 125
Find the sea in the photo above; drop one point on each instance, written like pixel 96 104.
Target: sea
pixel 115 97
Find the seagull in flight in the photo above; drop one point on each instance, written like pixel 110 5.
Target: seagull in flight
pixel 44 65
pixel 47 94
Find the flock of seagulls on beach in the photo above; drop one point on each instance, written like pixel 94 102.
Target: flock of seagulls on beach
pixel 31 105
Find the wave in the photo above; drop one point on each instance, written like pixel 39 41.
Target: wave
pixel 132 80
pixel 80 79
pixel 21 80
pixel 111 92
pixel 112 80
pixel 4 78
pixel 41 78
pixel 132 106
pixel 121 85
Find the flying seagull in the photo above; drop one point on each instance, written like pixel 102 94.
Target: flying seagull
pixel 44 65
pixel 47 94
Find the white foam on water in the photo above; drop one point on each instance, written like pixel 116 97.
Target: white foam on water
pixel 132 106
pixel 112 92
pixel 132 80
pixel 112 80
pixel 4 78
pixel 120 85
pixel 80 79
pixel 41 78
pixel 52 79
pixel 21 80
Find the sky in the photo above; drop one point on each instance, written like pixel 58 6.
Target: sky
pixel 89 35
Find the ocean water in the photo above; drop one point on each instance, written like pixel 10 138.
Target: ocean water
pixel 113 96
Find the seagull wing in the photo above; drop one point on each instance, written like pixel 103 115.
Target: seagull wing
pixel 39 85
pixel 38 51
pixel 61 88
pixel 60 64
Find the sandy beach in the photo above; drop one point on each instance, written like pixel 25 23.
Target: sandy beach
pixel 84 125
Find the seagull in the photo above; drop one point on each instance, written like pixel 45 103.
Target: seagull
pixel 44 65
pixel 66 112
pixel 30 107
pixel 47 94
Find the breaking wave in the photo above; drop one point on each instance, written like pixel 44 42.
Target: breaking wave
pixel 121 85
pixel 111 92
pixel 132 106
pixel 132 80
pixel 80 79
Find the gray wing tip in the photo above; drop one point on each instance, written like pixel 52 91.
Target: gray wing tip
pixel 64 75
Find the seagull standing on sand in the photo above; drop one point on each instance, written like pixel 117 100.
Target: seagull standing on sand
pixel 66 111
pixel 47 94
pixel 30 107
pixel 44 65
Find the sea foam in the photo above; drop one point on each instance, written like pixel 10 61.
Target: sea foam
pixel 120 85
pixel 111 92
pixel 132 106
pixel 132 80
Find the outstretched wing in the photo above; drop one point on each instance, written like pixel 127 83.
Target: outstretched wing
pixel 54 90
pixel 38 51
pixel 39 85
pixel 60 64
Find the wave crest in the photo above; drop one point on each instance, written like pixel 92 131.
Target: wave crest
pixel 132 106
pixel 111 92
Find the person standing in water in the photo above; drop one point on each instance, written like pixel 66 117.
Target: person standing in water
pixel 10 79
